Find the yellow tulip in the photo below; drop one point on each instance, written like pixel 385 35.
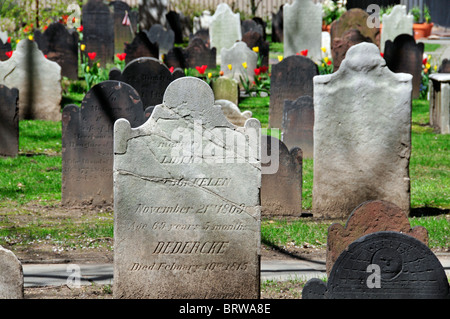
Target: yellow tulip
pixel 255 49
pixel 87 68
pixel 280 58
pixel 30 37
pixel 435 67
pixel 98 64
pixel 323 49
pixel 230 67
pixel 428 65
pixel 325 59
pixel 209 75
pixel 82 47
pixel 18 40
pixel 244 65
pixel 323 65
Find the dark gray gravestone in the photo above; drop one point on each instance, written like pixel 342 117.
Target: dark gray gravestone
pixel 9 121
pixel 251 25
pixel 150 77
pixel 383 265
pixel 202 34
pixel 175 58
pixel 141 46
pixel 179 24
pixel 277 26
pixel 281 192
pixel 445 66
pixel 263 25
pixel 404 55
pixel 198 53
pixel 290 79
pixel 255 39
pixel 165 38
pixel 341 45
pixel 61 46
pixel 98 31
pixel 123 33
pixel 4 47
pixel 298 124
pixel 87 141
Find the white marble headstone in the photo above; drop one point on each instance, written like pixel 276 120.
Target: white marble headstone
pixel 242 59
pixel 396 23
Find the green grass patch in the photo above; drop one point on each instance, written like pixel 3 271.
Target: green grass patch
pixel 259 106
pixel 431 47
pixel 438 228
pixel 40 137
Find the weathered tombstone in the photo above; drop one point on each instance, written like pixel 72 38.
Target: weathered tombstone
pixel 165 38
pixel 362 134
pixel 233 113
pixel 396 23
pixel 445 66
pixel 125 24
pixel 152 12
pixel 177 22
pixel 141 46
pixel 37 79
pixel 255 39
pixel 9 122
pixel 175 58
pixel 302 28
pixel 202 22
pixel 367 218
pixel 263 25
pixel 404 55
pixel 350 29
pixel 4 47
pixel 237 56
pixel 440 102
pixel 281 192
pixel 11 275
pixel 87 142
pixel 224 29
pixel 150 77
pixel 277 26
pixel 187 208
pixel 383 265
pixel 98 30
pixel 298 125
pixel 251 25
pixel 202 34
pixel 226 89
pixel 290 79
pixel 198 53
pixel 61 46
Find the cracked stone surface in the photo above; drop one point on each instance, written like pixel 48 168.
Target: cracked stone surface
pixel 187 201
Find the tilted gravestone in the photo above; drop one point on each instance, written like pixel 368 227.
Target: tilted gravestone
pixel 140 47
pixel 224 29
pixel 187 208
pixel 98 31
pixel 298 125
pixel 165 38
pixel 125 24
pixel 302 28
pixel 11 276
pixel 404 55
pixel 243 61
pixel 9 121
pixel 150 77
pixel 350 29
pixel 198 53
pixel 362 134
pixel 367 218
pixel 290 79
pixel 281 192
pixel 383 265
pixel 61 46
pixel 37 79
pixel 396 23
pixel 87 142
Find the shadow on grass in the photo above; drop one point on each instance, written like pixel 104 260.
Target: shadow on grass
pixel 288 253
pixel 428 211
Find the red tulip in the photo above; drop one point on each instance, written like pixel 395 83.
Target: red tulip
pixel 80 28
pixel 121 56
pixel 9 40
pixel 45 56
pixel 304 52
pixel 263 69
pixel 92 55
pixel 171 69
pixel 9 54
pixel 329 62
pixel 424 61
pixel 201 69
pixel 257 71
pixel 382 54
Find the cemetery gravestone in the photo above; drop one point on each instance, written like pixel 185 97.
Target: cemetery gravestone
pixel 87 142
pixel 226 89
pixel 11 275
pixel 37 79
pixel 187 208
pixel 350 29
pixel 290 79
pixel 367 218
pixel 383 265
pixel 9 122
pixel 238 55
pixel 125 25
pixel 233 113
pixel 4 47
pixel 277 26
pixel 61 46
pixel 362 121
pixel 150 77
pixel 440 102
pixel 224 29
pixel 204 35
pixel 281 192
pixel 404 55
pixel 175 58
pixel 141 47
pixel 396 23
pixel 179 24
pixel 251 25
pixel 98 31
pixel 165 38
pixel 298 125
pixel 302 28
pixel 254 39
pixel 263 25
pixel 202 22
pixel 445 66
pixel 198 53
